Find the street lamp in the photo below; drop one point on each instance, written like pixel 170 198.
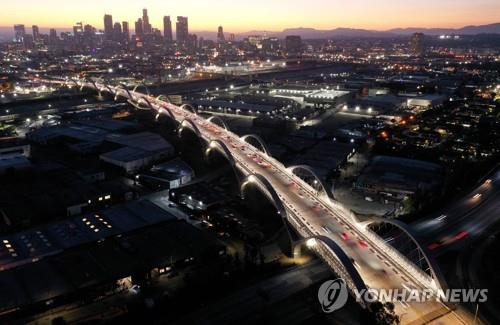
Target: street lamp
pixel 310 243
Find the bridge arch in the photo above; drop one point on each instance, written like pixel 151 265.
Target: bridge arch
pixel 407 244
pixel 189 108
pixel 89 80
pixel 189 124
pixel 215 118
pixel 344 267
pixel 318 184
pixel 163 98
pixel 108 89
pixel 143 85
pixel 71 80
pixel 267 188
pixel 263 146
pixel 145 100
pixel 124 88
pixel 223 148
pixel 165 109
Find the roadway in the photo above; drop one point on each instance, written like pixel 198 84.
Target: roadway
pixel 312 213
pixel 465 220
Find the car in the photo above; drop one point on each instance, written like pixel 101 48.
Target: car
pixel 461 235
pixel 433 246
pixel 362 244
pixel 487 182
pixel 477 196
pixel 344 236
pixel 326 229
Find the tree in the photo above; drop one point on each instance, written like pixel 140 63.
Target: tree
pixel 384 314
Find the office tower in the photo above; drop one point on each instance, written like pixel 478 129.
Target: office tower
pixel 36 32
pixel 19 33
pixel 145 21
pixel 167 29
pixel 138 27
pixel 88 34
pixel 126 31
pixel 117 32
pixel 232 37
pixel 28 42
pixel 78 30
pixel 220 35
pixel 293 44
pixel 53 37
pixel 108 27
pixel 416 43
pixel 192 41
pixel 182 30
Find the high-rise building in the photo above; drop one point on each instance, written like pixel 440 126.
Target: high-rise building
pixel 19 33
pixel 145 22
pixel 108 27
pixel 36 32
pixel 126 31
pixel 182 30
pixel 416 43
pixel 232 37
pixel 139 31
pixel 78 30
pixel 53 39
pixel 293 44
pixel 167 29
pixel 117 32
pixel 220 35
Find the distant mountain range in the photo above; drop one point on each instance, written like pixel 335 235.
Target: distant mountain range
pixel 312 33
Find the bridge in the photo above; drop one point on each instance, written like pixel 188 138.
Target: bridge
pixel 354 250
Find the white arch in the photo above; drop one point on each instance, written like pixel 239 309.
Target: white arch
pixel 268 189
pixel 259 140
pixel 188 123
pixel 436 274
pixel 163 98
pixel 222 148
pixel 356 281
pixel 189 108
pixel 311 172
pixel 142 84
pixel 221 121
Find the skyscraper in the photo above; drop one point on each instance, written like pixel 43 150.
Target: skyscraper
pixel 293 44
pixel 182 30
pixel 416 43
pixel 220 35
pixel 19 33
pixel 145 22
pixel 108 27
pixel 167 29
pixel 78 30
pixel 53 39
pixel 36 32
pixel 126 31
pixel 117 32
pixel 139 31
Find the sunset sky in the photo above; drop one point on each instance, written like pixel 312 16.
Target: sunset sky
pixel 240 16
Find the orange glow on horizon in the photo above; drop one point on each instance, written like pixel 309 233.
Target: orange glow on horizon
pixel 262 15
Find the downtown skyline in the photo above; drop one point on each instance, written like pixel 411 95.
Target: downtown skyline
pixel 265 15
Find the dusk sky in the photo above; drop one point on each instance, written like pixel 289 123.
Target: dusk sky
pixel 240 16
